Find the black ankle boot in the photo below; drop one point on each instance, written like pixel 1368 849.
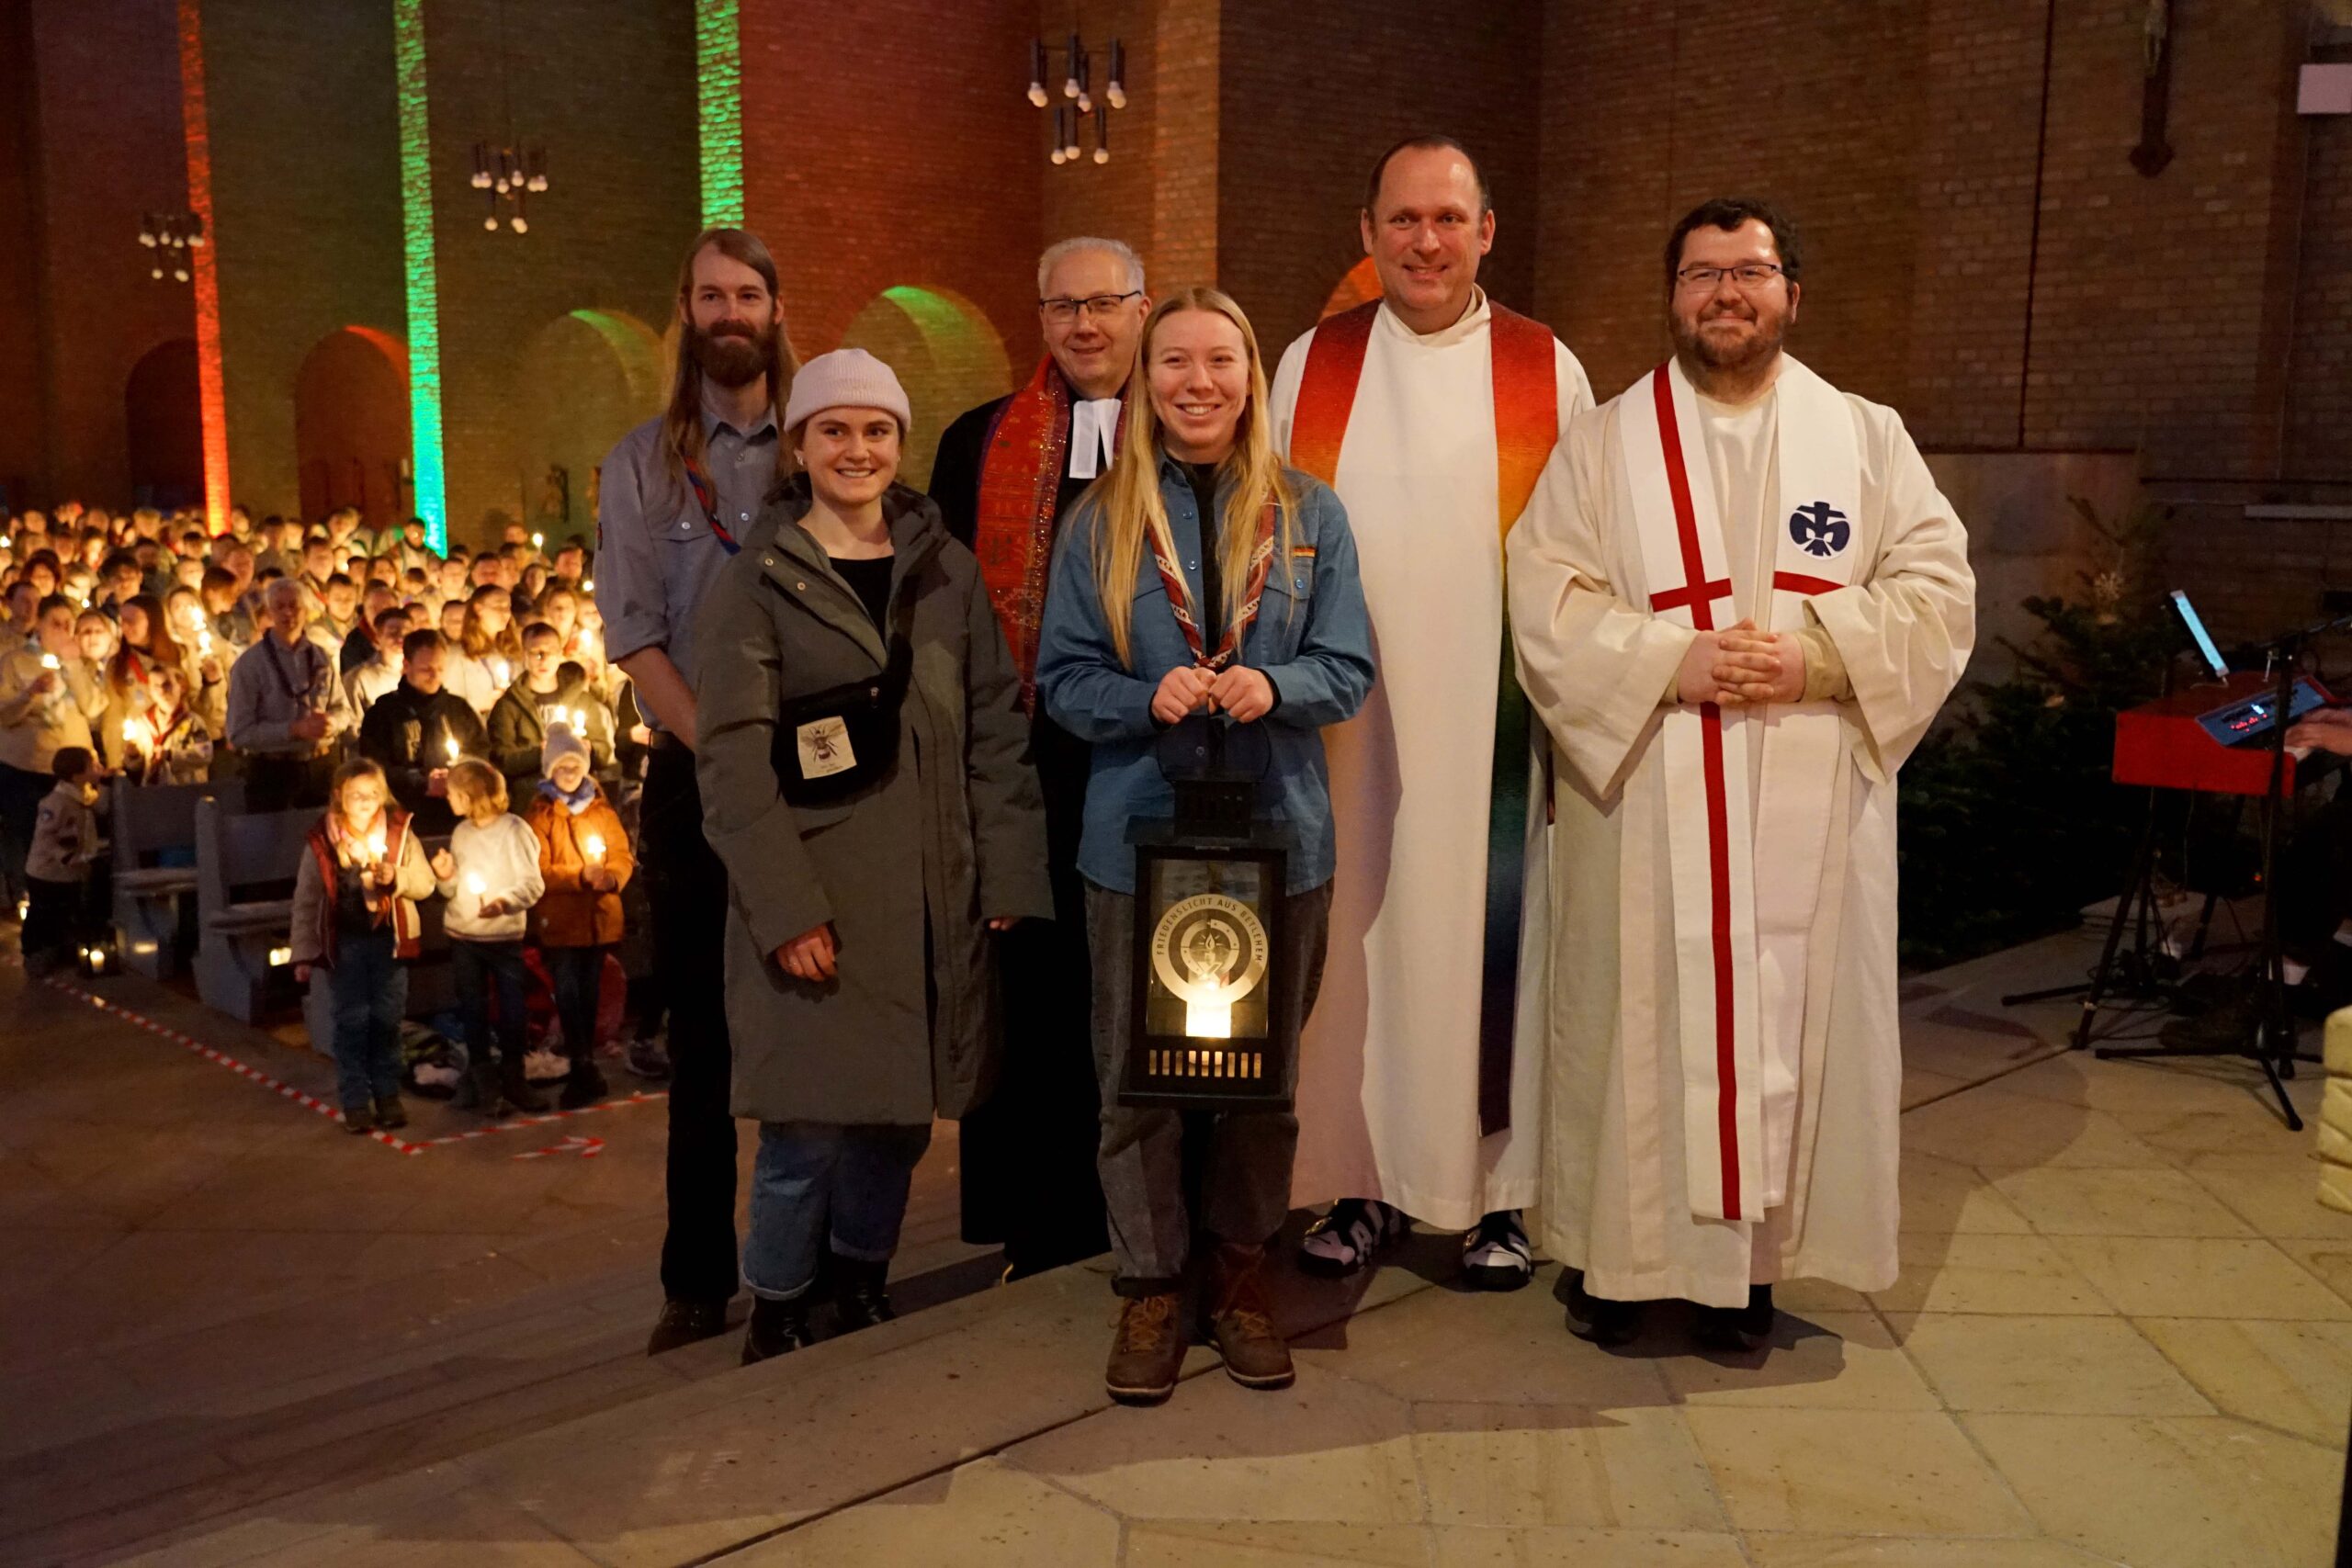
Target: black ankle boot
pixel 859 1299
pixel 489 1099
pixel 1739 1330
pixel 777 1327
pixel 516 1085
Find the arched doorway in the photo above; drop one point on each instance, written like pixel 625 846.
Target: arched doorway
pixel 164 419
pixel 947 355
pixel 587 377
pixel 1359 285
pixel 351 434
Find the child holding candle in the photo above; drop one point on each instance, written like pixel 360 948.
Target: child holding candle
pixel 57 873
pixel 584 858
pixel 356 918
pixel 490 873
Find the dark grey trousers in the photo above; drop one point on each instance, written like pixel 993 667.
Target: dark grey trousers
pixel 1245 1189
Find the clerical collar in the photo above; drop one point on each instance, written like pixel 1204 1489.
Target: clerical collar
pixel 1094 436
pixel 1473 317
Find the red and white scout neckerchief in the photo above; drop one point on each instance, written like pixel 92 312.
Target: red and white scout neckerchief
pixel 1179 595
pixel 1747 879
pixel 707 494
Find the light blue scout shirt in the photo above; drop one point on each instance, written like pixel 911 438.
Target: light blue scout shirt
pixel 1312 640
pixel 656 555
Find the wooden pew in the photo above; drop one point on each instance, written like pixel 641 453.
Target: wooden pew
pixel 148 822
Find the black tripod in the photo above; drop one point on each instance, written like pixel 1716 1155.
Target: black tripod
pixel 2146 972
pixel 2272 1046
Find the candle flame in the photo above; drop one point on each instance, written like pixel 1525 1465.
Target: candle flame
pixel 595 846
pixel 48 661
pixel 475 884
pixel 451 742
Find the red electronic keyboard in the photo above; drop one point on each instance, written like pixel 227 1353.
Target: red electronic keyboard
pixel 2175 742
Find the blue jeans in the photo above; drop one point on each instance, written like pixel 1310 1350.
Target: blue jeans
pixel 484 971
pixel 369 989
pixel 574 974
pixel 819 1183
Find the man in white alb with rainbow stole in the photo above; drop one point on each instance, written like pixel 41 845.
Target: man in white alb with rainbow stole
pixel 1739 599
pixel 1431 413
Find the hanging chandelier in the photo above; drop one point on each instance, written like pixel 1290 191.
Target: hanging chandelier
pixel 170 235
pixel 1079 104
pixel 509 175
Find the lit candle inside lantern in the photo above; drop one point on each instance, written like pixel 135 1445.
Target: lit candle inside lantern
pixel 451 742
pixel 1208 1021
pixel 593 846
pixel 48 661
pixel 504 671
pixel 129 732
pixel 376 846
pixel 203 642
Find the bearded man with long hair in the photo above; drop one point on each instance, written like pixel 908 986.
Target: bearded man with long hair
pixel 679 495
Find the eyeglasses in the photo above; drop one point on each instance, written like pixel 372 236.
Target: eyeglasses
pixel 1753 275
pixel 1059 310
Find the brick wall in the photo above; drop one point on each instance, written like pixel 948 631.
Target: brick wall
pixel 23 454
pixel 306 202
pixel 891 145
pixel 2319 436
pixel 608 87
pixel 111 147
pixel 1312 93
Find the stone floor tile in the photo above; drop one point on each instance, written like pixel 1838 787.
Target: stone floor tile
pixel 2294 1376
pixel 1520 1466
pixel 1921 1085
pixel 1853 1472
pixel 2149 1087
pixel 2171 1492
pixel 1964 1273
pixel 2279 1197
pixel 1997 1131
pixel 2188 1276
pixel 1913 1551
pixel 2094 1200
pixel 2328 1261
pixel 2237 1122
pixel 1559 1545
pixel 1477 1347
pixel 1821 1361
pixel 1326 1448
pixel 464 1528
pixel 1183 1543
pixel 985 1515
pixel 1946 1195
pixel 2072 1366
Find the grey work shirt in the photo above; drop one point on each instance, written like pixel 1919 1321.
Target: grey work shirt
pixel 656 555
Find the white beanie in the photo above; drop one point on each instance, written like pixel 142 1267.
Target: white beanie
pixel 845 379
pixel 560 741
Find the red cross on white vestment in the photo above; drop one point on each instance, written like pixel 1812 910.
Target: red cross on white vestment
pixel 1697 598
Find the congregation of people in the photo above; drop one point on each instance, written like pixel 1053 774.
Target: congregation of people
pixel 1580 723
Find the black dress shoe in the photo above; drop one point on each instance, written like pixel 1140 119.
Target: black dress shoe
pixel 777 1327
pixel 361 1121
pixel 860 1300
pixel 684 1322
pixel 1602 1322
pixel 1738 1330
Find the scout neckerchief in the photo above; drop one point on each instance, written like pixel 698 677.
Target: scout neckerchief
pixel 1745 881
pixel 707 494
pixel 1527 425
pixel 1180 595
pixel 1021 478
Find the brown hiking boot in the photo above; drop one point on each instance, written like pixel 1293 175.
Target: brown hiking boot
pixel 1255 1356
pixel 1147 1351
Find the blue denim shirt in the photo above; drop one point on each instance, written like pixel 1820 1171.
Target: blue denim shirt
pixel 1312 640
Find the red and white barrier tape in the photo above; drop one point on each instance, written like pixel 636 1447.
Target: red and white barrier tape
pixel 391 1141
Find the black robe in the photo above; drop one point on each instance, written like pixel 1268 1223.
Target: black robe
pixel 1027 1155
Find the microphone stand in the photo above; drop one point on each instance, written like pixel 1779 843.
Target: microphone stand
pixel 2273 1045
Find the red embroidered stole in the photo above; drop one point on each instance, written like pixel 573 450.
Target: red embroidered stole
pixel 1021 477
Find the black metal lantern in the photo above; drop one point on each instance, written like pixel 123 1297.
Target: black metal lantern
pixel 1203 1031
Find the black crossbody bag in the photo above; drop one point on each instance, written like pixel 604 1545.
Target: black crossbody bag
pixel 831 744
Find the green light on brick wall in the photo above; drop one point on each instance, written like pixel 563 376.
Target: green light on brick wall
pixel 718 88
pixel 423 290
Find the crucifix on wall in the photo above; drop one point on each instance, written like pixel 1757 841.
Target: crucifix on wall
pixel 2156 88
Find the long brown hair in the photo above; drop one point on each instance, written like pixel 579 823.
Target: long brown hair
pixel 131 662
pixel 681 402
pixel 1131 507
